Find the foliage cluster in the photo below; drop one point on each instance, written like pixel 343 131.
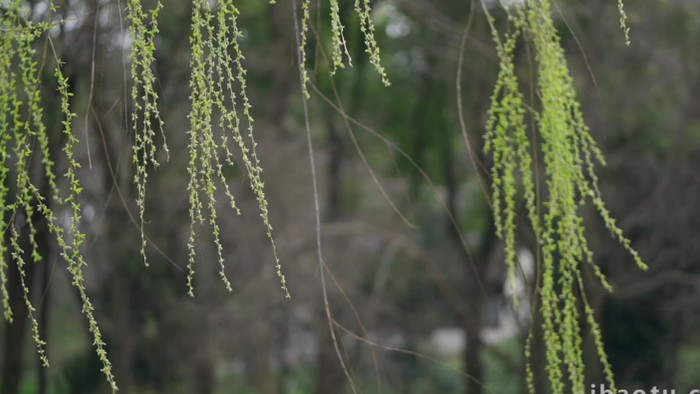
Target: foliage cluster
pixel 220 109
pixel 218 90
pixel 568 153
pixel 24 136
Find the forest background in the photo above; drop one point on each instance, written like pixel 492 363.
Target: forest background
pixel 401 277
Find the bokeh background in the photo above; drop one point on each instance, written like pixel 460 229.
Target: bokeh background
pixel 415 272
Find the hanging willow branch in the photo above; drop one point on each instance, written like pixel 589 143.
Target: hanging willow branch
pixel 363 9
pixel 569 154
pixel 145 116
pixel 218 83
pixel 24 135
pixel 623 21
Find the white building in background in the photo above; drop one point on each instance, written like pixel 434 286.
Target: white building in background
pixel 449 342
pixel 508 320
pixel 504 3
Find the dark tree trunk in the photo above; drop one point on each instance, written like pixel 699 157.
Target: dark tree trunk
pixel 16 332
pixel 44 316
pixel 475 265
pixel 259 373
pixel 329 375
pixel 474 268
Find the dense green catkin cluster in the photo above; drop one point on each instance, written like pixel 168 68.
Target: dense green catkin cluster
pixel 623 21
pixel 338 44
pixel 23 135
pixel 364 11
pixel 339 48
pixel 218 83
pixel 305 20
pixel 568 153
pixel 145 116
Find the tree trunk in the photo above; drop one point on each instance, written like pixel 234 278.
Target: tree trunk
pixel 329 375
pixel 44 316
pixel 474 269
pixel 15 333
pixel 472 353
pixel 259 373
